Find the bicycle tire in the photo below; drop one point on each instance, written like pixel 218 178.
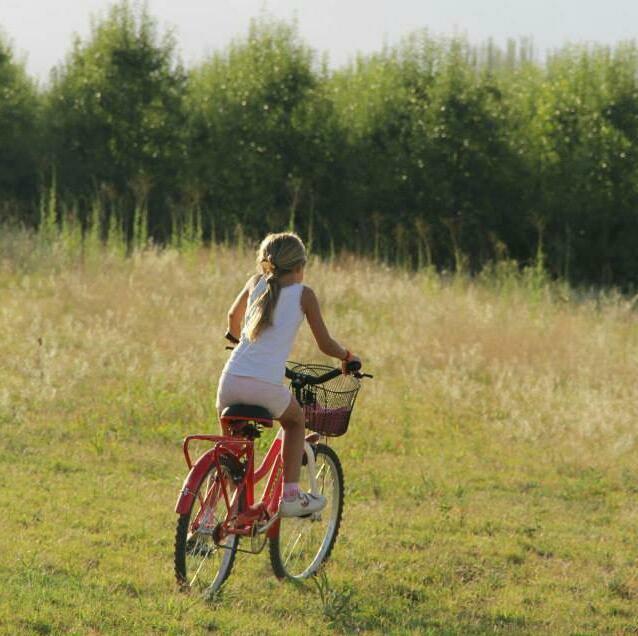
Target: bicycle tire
pixel 303 544
pixel 209 582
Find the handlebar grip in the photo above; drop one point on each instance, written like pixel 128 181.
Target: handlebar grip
pixel 355 365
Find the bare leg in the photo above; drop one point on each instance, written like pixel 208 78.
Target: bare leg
pixel 293 422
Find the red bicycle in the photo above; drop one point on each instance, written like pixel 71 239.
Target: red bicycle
pixel 217 505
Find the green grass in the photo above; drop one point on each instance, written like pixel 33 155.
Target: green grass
pixel 491 474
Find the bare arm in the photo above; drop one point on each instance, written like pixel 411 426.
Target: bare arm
pixel 325 342
pixel 237 310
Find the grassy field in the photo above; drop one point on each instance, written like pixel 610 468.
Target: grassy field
pixel 491 466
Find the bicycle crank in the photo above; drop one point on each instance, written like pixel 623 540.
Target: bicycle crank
pixel 257 538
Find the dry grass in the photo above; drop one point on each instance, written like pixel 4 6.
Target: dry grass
pixel 491 465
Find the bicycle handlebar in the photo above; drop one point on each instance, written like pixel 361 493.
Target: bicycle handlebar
pixel 303 379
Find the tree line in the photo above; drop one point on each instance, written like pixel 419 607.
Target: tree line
pixel 432 153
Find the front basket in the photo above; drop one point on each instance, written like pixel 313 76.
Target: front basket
pixel 327 406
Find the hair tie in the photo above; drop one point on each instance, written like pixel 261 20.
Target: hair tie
pixel 272 266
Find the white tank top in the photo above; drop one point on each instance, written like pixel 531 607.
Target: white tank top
pixel 265 358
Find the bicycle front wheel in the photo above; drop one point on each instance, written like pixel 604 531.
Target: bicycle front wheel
pixel 304 543
pixel 202 561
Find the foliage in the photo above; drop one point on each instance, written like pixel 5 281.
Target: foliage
pixel 19 140
pixel 579 131
pixel 432 153
pixel 255 141
pixel 116 120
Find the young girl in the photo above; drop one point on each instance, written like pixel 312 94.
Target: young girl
pixel 274 303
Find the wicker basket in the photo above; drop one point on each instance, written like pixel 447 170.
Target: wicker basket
pixel 327 406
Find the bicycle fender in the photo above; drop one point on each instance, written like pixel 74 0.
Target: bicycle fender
pixel 195 475
pixel 310 459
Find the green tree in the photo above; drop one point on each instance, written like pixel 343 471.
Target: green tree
pixel 19 137
pixel 583 129
pixel 256 142
pixel 429 151
pixel 116 119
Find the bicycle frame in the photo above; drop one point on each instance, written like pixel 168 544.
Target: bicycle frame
pixel 266 509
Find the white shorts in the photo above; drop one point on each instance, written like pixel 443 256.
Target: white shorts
pixel 239 389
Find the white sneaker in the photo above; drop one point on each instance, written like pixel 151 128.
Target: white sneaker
pixel 304 504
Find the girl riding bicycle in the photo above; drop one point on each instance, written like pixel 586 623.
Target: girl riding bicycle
pixel 274 303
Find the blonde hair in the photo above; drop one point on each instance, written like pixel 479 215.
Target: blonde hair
pixel 277 255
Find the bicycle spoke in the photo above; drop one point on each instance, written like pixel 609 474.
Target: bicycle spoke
pixel 200 567
pixel 289 545
pixel 303 543
pixel 321 477
pixel 289 552
pixel 200 563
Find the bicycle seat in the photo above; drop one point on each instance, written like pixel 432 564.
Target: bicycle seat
pixel 248 412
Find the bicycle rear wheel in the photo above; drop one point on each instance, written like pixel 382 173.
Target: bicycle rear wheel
pixel 304 543
pixel 202 563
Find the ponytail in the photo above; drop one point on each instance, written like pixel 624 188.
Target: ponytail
pixel 278 254
pixel 263 310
